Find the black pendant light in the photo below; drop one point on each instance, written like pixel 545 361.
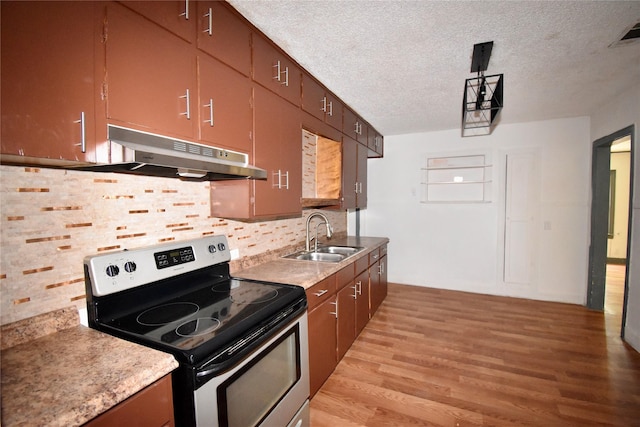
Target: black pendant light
pixel 482 99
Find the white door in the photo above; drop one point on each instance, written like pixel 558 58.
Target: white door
pixel 520 205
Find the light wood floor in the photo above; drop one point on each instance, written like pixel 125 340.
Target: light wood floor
pixel 440 358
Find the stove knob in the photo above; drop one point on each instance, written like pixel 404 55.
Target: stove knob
pixel 221 246
pixel 112 270
pixel 130 266
pixel 212 249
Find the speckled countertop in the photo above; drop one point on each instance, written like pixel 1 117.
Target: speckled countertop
pixel 308 273
pixel 70 375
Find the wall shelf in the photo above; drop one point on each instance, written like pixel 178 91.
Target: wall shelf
pixel 455 179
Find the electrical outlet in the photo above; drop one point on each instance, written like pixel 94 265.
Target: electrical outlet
pixel 235 253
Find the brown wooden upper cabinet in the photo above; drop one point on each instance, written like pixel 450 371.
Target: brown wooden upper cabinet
pixel 175 16
pixel 354 127
pixel 156 82
pixel 321 103
pixel 225 109
pixel 48 80
pixel 277 149
pixel 275 71
pixel 354 174
pixel 223 35
pixel 151 76
pixel 374 142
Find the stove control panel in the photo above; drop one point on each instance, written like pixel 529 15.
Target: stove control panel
pixel 174 257
pixel 119 271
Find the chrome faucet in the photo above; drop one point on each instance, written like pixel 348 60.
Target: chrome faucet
pixel 326 223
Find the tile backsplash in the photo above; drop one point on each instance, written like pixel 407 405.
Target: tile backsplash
pixel 51 219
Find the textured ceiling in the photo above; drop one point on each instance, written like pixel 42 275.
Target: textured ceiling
pixel 402 65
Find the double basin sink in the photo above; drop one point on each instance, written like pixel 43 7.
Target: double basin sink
pixel 326 253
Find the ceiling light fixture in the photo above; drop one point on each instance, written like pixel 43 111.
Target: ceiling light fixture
pixel 482 100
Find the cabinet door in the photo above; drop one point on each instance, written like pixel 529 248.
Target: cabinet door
pixel 361 194
pixel 322 344
pixel 313 97
pixel 175 16
pixel 349 172
pixel 277 149
pixel 354 127
pixel 333 115
pixel 275 71
pixel 48 79
pixel 362 301
pixel 225 114
pixel 374 142
pixel 223 35
pixel 346 310
pixel 378 283
pixel 151 82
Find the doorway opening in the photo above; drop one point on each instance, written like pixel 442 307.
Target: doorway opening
pixel 606 188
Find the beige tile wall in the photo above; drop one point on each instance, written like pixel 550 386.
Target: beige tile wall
pixel 51 219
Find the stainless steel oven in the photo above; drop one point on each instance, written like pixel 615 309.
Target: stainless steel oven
pixel 242 345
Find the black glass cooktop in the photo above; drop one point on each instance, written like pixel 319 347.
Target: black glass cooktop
pixel 216 312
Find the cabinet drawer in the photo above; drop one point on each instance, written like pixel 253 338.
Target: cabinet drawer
pixel 374 256
pixel 383 250
pixel 345 276
pixel 361 265
pixel 321 291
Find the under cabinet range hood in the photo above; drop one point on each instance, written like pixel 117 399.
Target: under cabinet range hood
pixel 143 153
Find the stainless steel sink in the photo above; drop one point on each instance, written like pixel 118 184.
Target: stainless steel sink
pixel 326 253
pixel 342 250
pixel 317 256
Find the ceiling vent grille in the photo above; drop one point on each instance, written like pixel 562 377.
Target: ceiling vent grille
pixel 631 34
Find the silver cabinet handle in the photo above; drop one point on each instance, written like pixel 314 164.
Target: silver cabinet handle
pixel 324 104
pixel 375 256
pixel 359 285
pixel 83 133
pixel 280 174
pixel 277 73
pixel 381 269
pixel 330 108
pixel 322 292
pixel 209 15
pixel 210 106
pixel 187 97
pixel 335 312
pixel 355 292
pixel 186 10
pixel 356 188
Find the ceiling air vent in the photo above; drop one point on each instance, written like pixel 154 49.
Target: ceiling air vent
pixel 630 35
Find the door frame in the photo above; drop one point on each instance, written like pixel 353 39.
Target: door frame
pixel 601 156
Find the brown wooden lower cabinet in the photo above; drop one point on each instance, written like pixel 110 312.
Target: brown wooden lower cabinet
pixel 322 343
pixel 340 306
pixel 361 283
pixel 346 306
pixel 378 283
pixel 150 407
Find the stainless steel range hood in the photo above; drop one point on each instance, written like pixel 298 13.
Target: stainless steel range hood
pixel 145 153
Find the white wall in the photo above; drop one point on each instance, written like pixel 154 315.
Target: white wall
pixel 619 113
pixel 460 246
